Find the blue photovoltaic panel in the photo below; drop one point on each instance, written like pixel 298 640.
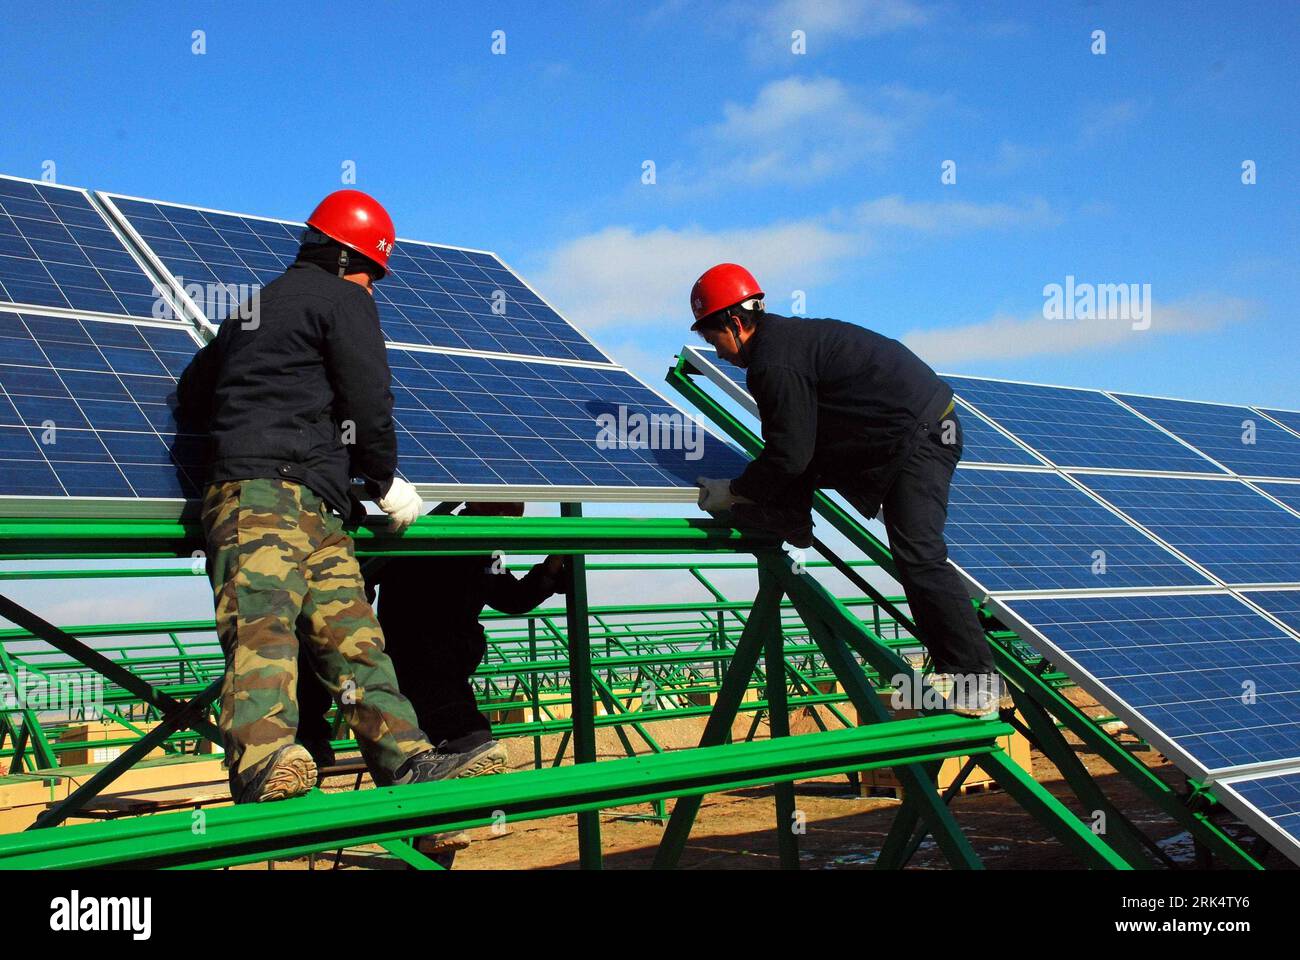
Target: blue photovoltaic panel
pixel 981 443
pixel 432 296
pixel 84 409
pixel 57 251
pixel 1288 418
pixel 1223 432
pixel 1288 493
pixel 1224 525
pixel 1078 428
pixel 1276 797
pixel 1283 604
pixel 472 420
pixel 1030 530
pixel 1184 664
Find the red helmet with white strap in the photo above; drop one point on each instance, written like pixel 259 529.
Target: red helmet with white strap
pixel 722 286
pixel 359 222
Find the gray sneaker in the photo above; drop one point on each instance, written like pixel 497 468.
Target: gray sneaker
pixel 977 695
pixel 486 758
pixel 290 772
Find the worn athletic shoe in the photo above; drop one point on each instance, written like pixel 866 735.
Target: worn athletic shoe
pixel 290 772
pixel 976 695
pixel 437 764
pixel 792 525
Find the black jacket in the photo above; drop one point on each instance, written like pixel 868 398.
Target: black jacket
pixel 840 405
pixel 438 600
pixel 276 392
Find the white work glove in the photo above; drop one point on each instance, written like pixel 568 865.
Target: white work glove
pixel 716 495
pixel 402 504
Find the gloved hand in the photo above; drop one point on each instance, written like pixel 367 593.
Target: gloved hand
pixel 402 504
pixel 716 495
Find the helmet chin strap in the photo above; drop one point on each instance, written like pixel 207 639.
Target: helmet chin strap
pixel 742 348
pixel 343 261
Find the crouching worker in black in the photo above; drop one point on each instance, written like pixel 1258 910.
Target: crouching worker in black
pixel 845 408
pixel 428 608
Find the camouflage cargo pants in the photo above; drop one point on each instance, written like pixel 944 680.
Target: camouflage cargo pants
pixel 283 570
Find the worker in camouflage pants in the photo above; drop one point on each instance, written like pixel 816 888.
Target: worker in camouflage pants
pixel 296 406
pixel 283 568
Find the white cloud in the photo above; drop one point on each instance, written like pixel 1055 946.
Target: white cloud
pixel 801 130
pixel 1010 338
pixel 619 276
pixel 951 216
pixel 833 19
pixel 1102 120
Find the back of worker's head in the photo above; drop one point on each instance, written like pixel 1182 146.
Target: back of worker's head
pixel 349 232
pixel 498 509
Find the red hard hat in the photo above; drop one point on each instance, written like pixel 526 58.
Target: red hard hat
pixel 357 221
pixel 720 287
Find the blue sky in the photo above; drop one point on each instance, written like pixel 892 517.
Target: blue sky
pixel 820 170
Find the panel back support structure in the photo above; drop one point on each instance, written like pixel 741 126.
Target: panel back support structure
pixel 1039 703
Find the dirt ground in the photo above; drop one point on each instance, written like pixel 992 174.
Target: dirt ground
pixel 735 831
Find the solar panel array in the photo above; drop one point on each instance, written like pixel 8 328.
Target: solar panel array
pixel 432 296
pixel 1131 549
pixel 496 394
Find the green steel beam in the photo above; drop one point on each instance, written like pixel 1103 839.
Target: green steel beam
pixel 249 833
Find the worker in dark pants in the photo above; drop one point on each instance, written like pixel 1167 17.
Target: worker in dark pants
pixel 429 610
pixel 845 408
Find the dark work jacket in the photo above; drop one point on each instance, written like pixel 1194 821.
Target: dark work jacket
pixel 439 599
pixel 841 406
pixel 275 392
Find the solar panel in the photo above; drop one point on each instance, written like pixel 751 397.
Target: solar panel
pixel 432 296
pixel 1078 428
pixel 1288 418
pixel 1283 604
pixel 1201 675
pixel 1288 493
pixel 56 250
pixel 1270 804
pixel 84 409
pixel 1237 437
pixel 1016 530
pixel 1223 525
pixel 475 420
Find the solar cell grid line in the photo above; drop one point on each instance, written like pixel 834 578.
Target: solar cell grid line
pixel 1029 530
pixel 1288 493
pixel 1236 436
pixel 467 420
pixel 1270 804
pixel 433 295
pixel 1240 537
pixel 57 251
pixel 1284 605
pixel 1074 427
pixel 1290 419
pixel 86 409
pixel 982 442
pixel 1201 675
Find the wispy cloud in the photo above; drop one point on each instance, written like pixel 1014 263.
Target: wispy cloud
pixel 626 277
pixel 1009 337
pixel 621 276
pixel 801 130
pixel 828 21
pixel 1103 120
pixel 952 216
